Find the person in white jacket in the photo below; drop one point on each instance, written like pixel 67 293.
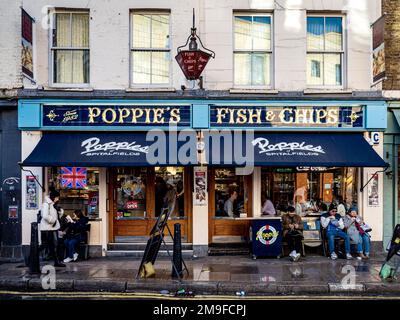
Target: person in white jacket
pixel 49 225
pixel 334 225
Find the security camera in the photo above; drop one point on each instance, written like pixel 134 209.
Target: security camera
pixel 183 87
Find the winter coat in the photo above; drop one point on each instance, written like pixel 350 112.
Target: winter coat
pixel 325 220
pixel 352 230
pixel 49 220
pixel 287 219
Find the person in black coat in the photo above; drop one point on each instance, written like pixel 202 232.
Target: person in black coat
pixel 75 233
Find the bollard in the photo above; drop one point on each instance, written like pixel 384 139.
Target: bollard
pixel 34 265
pixel 177 254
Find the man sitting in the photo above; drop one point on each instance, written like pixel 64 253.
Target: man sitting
pixel 334 225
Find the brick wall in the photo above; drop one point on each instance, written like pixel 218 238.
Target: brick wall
pixel 392 44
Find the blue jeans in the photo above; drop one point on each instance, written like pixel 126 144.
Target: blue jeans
pixel 70 245
pixel 363 244
pixel 338 233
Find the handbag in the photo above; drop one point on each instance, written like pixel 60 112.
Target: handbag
pixel 366 228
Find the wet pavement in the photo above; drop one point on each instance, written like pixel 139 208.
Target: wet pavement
pixel 212 275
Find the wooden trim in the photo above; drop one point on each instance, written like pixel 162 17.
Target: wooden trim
pixel 249 185
pixel 111 209
pixel 188 201
pixel 211 203
pixel 150 198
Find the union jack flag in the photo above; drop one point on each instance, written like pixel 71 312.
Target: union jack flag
pixel 73 177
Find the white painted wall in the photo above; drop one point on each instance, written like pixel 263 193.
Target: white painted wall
pixel 29 141
pixel 110 31
pixel 10 44
pixel 373 215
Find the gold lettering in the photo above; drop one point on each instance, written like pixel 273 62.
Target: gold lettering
pixel 136 113
pixel 147 115
pixel 221 114
pixel 257 115
pixel 93 113
pixel 123 113
pixel 113 114
pixel 282 116
pixel 303 116
pixel 158 115
pixel 333 116
pixel 175 115
pixel 231 116
pixel 270 116
pixel 241 116
pixel 321 114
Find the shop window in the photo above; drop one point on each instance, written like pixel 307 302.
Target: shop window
pixel 150 48
pixel 78 187
pixel 131 193
pixel 325 51
pixel 169 188
pixel 252 50
pixel 70 48
pixel 309 191
pixel 226 183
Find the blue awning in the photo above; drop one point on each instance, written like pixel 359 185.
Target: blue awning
pixel 114 149
pixel 314 149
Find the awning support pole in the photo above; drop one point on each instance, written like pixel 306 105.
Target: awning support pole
pixel 363 187
pixel 22 168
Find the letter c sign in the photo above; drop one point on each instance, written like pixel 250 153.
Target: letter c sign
pixel 375 138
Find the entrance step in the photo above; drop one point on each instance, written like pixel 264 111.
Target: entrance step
pixel 136 249
pixel 141 246
pixel 228 249
pixel 139 253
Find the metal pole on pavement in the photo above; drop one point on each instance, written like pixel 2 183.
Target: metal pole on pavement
pixel 177 254
pixel 34 265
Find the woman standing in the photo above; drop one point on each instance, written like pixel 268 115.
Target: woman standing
pixel 49 225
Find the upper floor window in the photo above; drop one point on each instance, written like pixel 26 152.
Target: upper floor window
pixel 150 49
pixel 325 51
pixel 70 48
pixel 252 50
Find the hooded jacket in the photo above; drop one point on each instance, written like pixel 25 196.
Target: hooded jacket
pixel 49 216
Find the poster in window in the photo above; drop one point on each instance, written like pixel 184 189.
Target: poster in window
pixel 27 47
pixel 32 201
pixel 200 184
pixel 373 190
pixel 378 49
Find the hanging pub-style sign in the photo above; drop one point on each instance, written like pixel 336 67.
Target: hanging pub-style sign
pixel 193 61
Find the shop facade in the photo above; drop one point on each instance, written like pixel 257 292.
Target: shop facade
pixel 391 178
pixel 303 153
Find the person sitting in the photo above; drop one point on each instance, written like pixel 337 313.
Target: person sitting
pixel 341 207
pixel 75 233
pixel 358 236
pixel 334 225
pixel 228 205
pixel 293 232
pixel 268 207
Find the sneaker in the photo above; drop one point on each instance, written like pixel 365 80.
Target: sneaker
pixel 366 256
pixel 297 257
pixel 292 255
pixel 75 256
pixel 67 260
pixel 361 256
pixel 333 256
pixel 349 256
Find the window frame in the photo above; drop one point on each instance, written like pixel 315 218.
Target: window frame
pixel 53 49
pixel 132 49
pixel 342 52
pixel 270 51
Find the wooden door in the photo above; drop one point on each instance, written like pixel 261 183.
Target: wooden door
pixel 135 200
pixel 224 226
